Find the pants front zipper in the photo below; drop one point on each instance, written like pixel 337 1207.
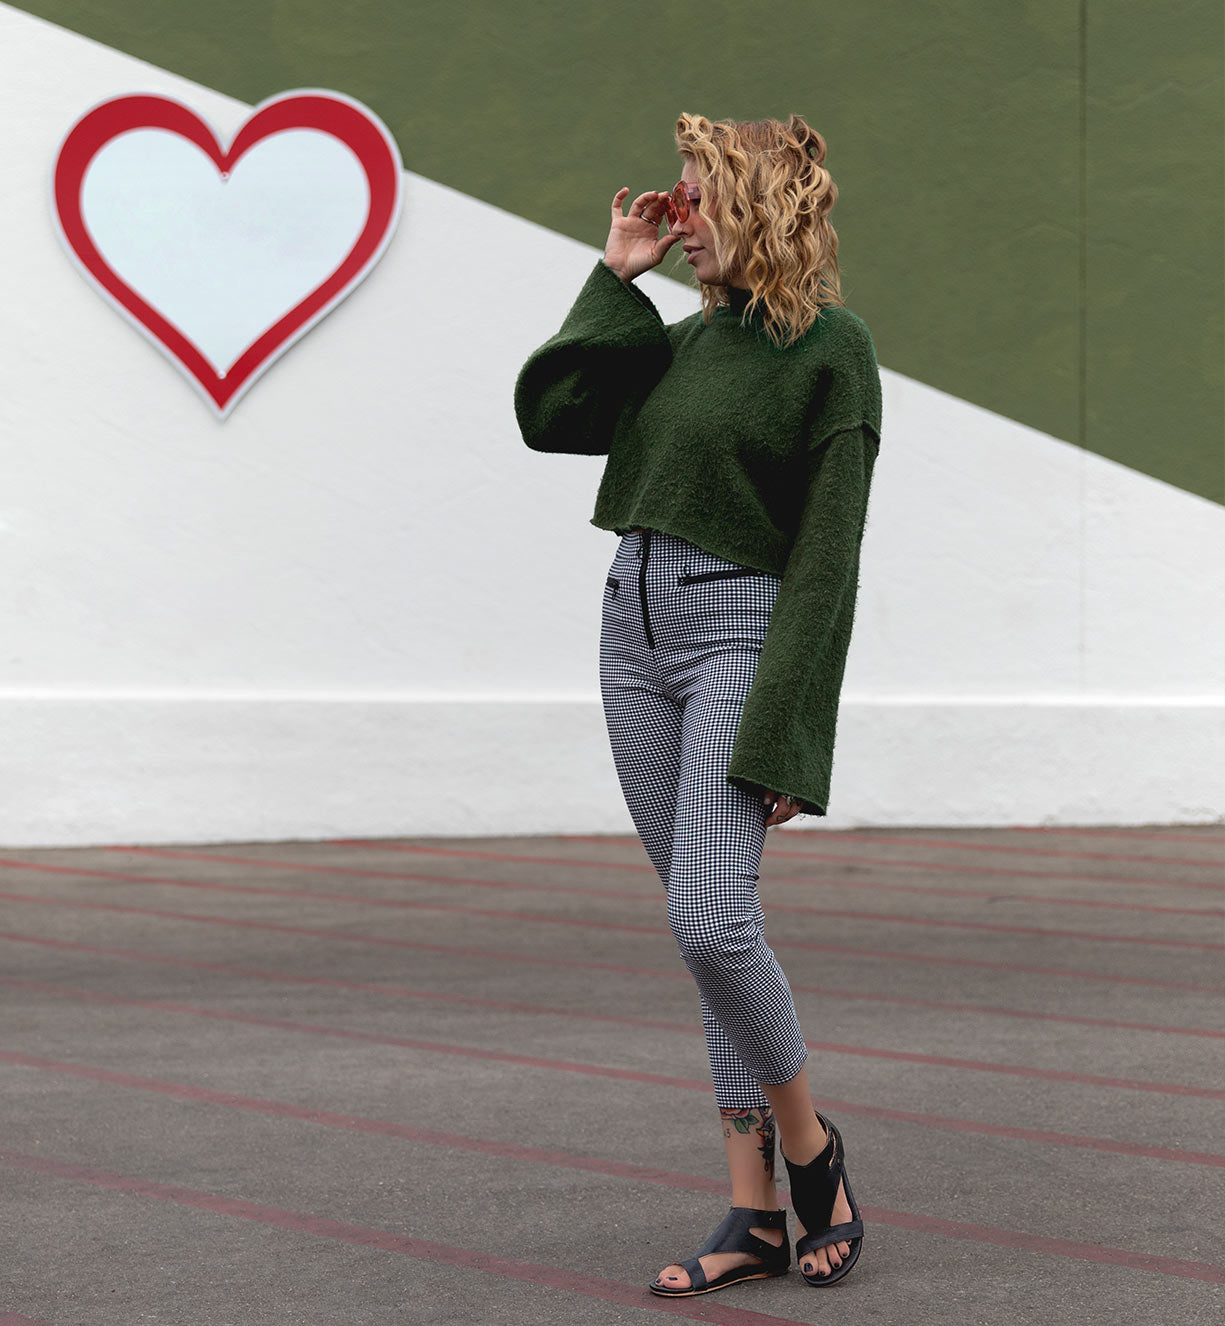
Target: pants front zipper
pixel 642 587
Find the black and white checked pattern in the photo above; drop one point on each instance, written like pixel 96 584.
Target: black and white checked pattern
pixel 672 704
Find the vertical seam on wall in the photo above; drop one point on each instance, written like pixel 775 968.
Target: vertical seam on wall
pixel 1082 422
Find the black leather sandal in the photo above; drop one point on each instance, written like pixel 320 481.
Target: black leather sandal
pixel 733 1236
pixel 814 1188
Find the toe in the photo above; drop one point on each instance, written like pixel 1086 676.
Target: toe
pixel 674 1277
pixel 825 1260
pixel 821 1262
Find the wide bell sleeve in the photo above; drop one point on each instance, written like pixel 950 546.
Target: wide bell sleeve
pixel 785 739
pixel 611 350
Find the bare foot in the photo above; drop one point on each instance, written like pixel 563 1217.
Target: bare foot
pixel 716 1264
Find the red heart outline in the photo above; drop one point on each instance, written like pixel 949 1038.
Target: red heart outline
pixel 353 124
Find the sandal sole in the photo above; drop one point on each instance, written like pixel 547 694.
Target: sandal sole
pixel 710 1289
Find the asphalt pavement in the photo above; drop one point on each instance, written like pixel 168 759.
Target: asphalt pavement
pixel 463 1080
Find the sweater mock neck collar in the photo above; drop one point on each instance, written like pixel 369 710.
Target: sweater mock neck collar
pixel 737 299
pixel 737 302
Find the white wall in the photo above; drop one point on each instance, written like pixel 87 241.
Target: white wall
pixel 362 606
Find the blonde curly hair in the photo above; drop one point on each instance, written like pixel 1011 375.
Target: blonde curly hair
pixel 767 196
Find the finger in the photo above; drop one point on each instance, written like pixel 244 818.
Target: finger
pixel 669 235
pixel 643 200
pixel 784 810
pixel 618 199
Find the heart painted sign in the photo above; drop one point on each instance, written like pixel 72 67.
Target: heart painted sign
pixel 225 257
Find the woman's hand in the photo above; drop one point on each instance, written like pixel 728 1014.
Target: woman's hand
pixel 785 809
pixel 634 242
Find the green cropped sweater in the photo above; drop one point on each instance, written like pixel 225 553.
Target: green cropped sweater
pixel 759 454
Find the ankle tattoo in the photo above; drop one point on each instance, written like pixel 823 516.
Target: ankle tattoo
pixel 760 1122
pixel 766 1132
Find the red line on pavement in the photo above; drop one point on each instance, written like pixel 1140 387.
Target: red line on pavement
pixel 1016 849
pixel 995 928
pixel 907 840
pixel 841 949
pixel 775 853
pixel 903 1219
pixel 1216 839
pixel 552 918
pixel 438 1047
pixel 1189 837
pixel 398 991
pixel 930 890
pixel 1042 1136
pixel 470 1259
pixel 268 863
pixel 1010 871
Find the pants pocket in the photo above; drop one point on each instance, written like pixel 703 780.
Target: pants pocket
pixel 728 573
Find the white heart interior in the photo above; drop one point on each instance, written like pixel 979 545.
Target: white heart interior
pixel 224 259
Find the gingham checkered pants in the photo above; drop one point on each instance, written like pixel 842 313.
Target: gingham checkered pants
pixel 679 642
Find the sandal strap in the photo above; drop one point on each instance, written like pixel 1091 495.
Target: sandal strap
pixel 852 1229
pixel 693 1268
pixel 733 1235
pixel 814 1189
pixel 776 1219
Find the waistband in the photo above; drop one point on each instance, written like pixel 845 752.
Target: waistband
pixel 668 546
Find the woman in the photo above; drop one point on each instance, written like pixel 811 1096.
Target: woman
pixel 740 446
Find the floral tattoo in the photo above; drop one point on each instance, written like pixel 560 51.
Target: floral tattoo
pixel 760 1122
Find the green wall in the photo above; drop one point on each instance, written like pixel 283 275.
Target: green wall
pixel 1032 191
pixel 1154 238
